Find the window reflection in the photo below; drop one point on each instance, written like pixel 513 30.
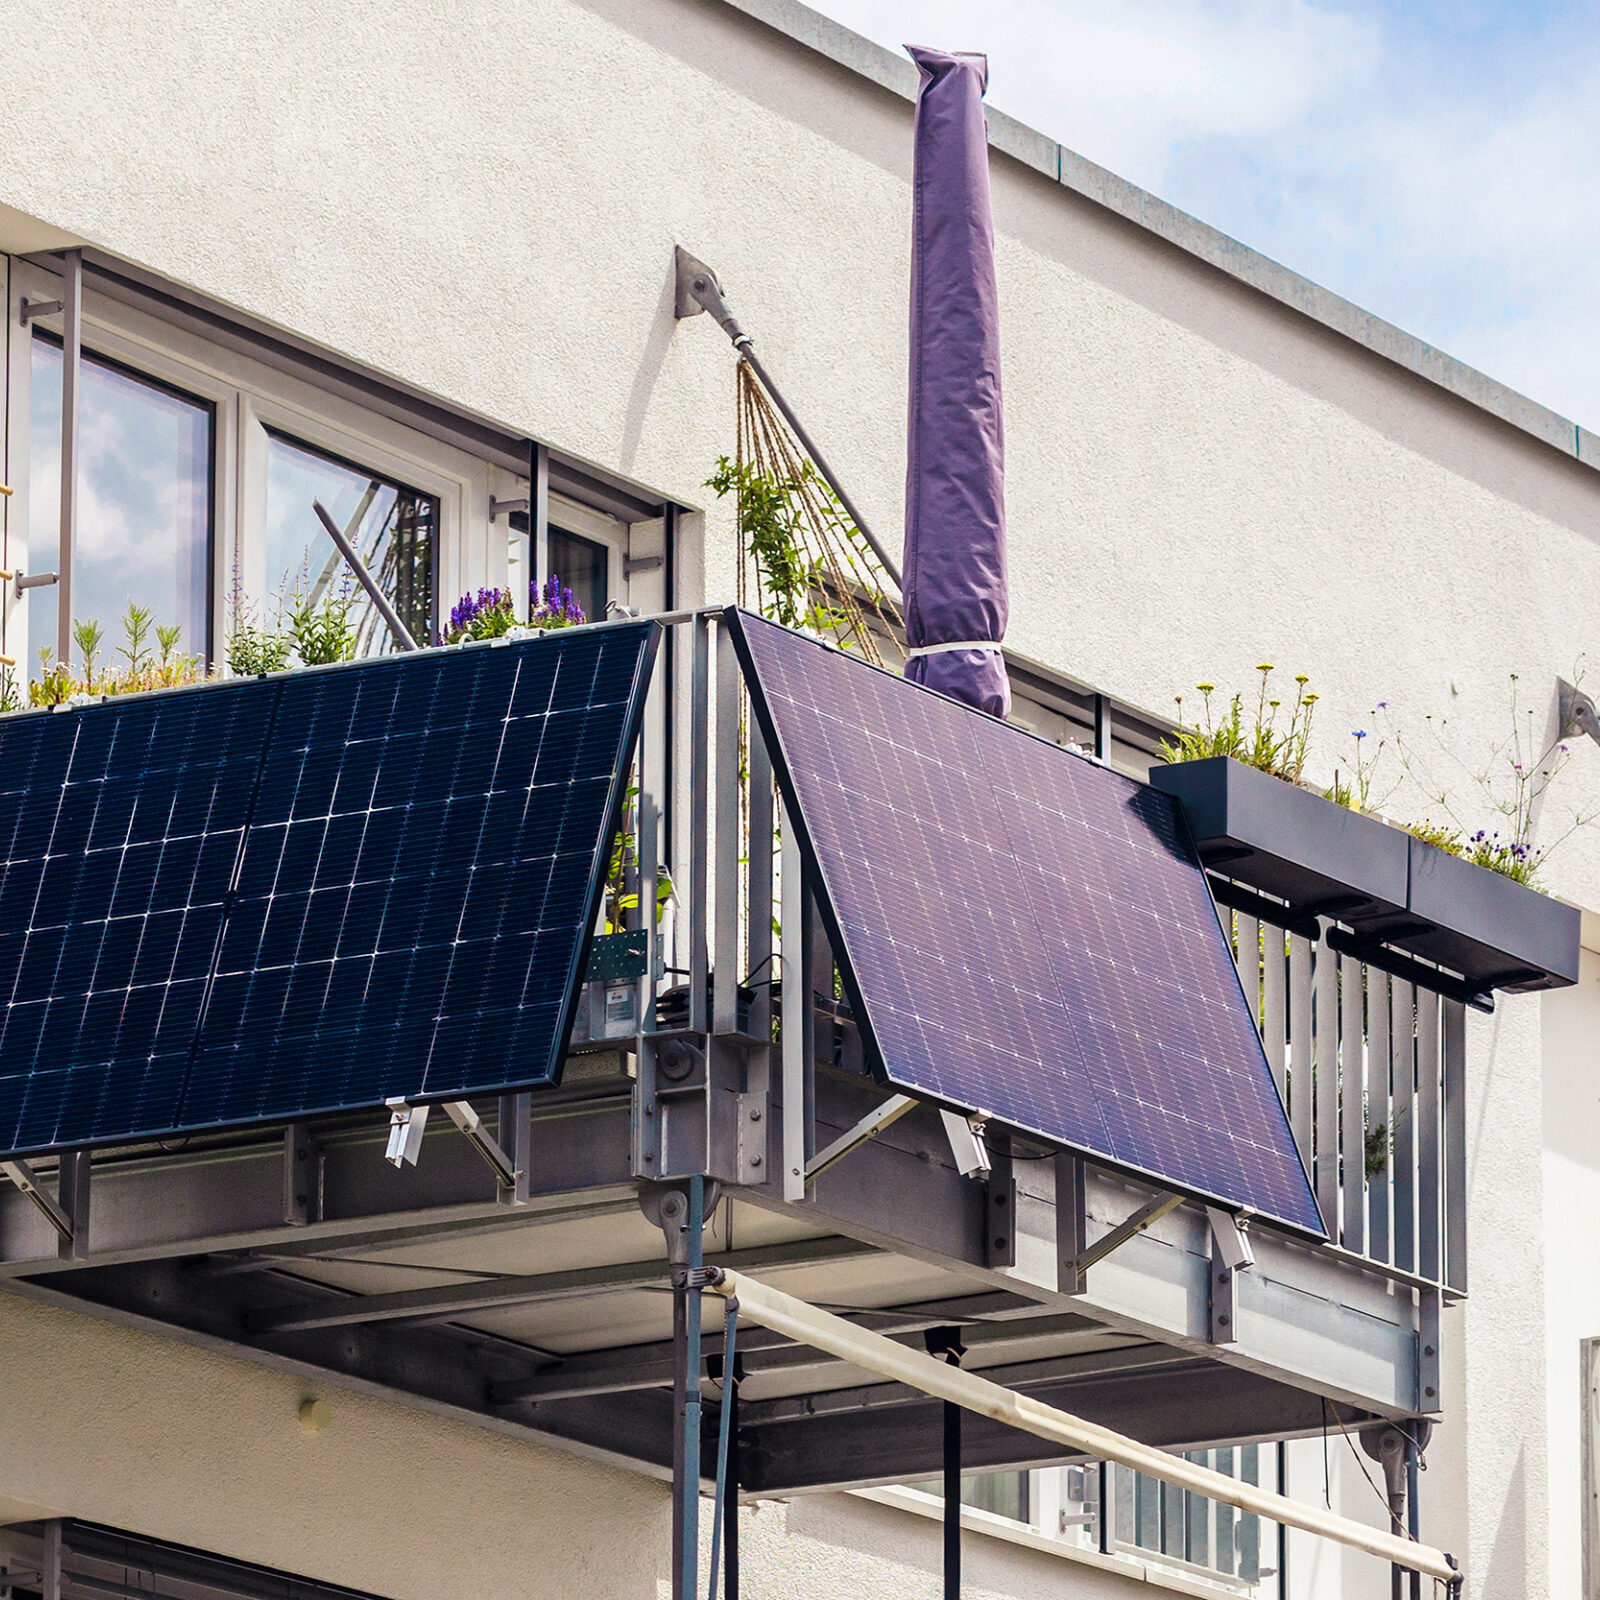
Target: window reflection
pixel 393 528
pixel 144 502
pixel 580 564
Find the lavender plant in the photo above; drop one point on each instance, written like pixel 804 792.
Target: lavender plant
pixel 485 615
pixel 554 606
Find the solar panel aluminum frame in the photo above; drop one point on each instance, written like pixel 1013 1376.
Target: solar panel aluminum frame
pixel 875 1057
pixel 568 1000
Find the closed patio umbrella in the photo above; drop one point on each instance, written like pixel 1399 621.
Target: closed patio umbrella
pixel 955 585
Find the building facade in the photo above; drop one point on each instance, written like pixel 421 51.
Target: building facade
pixel 382 252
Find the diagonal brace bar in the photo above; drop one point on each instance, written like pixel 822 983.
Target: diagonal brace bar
pixel 1152 1211
pixel 869 1127
pixel 21 1174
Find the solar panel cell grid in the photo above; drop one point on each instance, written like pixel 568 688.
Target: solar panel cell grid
pixel 1024 932
pixel 272 898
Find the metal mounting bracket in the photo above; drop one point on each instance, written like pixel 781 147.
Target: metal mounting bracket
pixel 696 290
pixel 1576 711
pixel 869 1127
pixel 40 308
pixel 1151 1212
pixel 35 580
pixel 1230 1231
pixel 967 1142
pixel 21 1174
pixel 407 1124
pixel 498 508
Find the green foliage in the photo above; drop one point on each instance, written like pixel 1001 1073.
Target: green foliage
pixel 1377 1145
pixel 253 650
pixel 1262 740
pixel 136 629
pixel 167 638
pixel 10 696
pixel 87 634
pixel 54 686
pixel 322 632
pixel 772 523
pixel 621 870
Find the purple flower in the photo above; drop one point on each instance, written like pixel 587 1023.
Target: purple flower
pixel 554 606
pixel 1360 733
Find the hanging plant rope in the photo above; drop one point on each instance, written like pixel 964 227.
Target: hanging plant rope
pixel 807 564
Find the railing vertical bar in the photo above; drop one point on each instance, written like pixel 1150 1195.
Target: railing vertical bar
pixel 725 905
pixel 796 1002
pixel 759 928
pixel 1352 1097
pixel 1299 1074
pixel 699 803
pixel 1247 957
pixel 1428 1134
pixel 1380 1120
pixel 1325 1036
pixel 1402 1072
pixel 1275 1004
pixel 1455 1144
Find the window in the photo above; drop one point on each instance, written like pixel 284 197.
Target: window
pixel 145 454
pixel 582 566
pixel 394 529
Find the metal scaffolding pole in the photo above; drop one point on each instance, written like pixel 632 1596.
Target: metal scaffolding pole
pixel 686 1272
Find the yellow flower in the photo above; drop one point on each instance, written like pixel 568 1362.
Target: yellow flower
pixel 1205 688
pixel 1264 666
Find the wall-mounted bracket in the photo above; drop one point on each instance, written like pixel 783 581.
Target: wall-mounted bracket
pixel 498 508
pixel 1576 712
pixel 21 1174
pixel 407 1124
pixel 35 580
pixel 33 309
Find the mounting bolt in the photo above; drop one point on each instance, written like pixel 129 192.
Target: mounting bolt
pixel 755 1113
pixel 1430 1393
pixel 1224 1319
pixel 755 1161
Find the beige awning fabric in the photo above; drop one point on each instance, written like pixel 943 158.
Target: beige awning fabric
pixel 821 1330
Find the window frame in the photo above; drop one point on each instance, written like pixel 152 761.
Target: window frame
pixel 248 397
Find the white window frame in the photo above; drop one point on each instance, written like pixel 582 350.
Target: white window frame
pixel 249 397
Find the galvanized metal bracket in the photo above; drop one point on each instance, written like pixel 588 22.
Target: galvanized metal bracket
pixel 470 1123
pixel 869 1127
pixel 300 1184
pixel 1130 1227
pixel 32 309
pixel 1000 1212
pixel 69 1213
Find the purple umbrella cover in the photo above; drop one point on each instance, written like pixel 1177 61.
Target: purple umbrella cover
pixel 955 588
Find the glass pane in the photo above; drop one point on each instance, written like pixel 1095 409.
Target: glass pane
pixel 144 504
pixel 580 564
pixel 394 529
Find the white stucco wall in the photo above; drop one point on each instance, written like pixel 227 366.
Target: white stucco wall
pixel 483 200
pixel 139 1432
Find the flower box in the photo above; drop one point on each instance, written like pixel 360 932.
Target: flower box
pixel 1390 888
pixel 1496 932
pixel 1289 844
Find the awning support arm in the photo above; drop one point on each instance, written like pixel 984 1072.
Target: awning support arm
pixel 697 291
pixel 822 1330
pixel 869 1127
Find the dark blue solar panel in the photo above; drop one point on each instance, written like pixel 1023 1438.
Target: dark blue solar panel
pixel 1021 930
pixel 266 899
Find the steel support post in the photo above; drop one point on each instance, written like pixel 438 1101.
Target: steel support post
pixel 952 1501
pixel 686 1396
pixel 699 802
pixel 730 1505
pixel 50 1575
pixel 71 365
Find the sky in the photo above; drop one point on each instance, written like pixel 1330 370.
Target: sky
pixel 1434 163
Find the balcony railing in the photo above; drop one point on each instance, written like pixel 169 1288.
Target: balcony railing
pixel 1372 1072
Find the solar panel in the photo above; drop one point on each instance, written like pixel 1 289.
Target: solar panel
pixel 1021 930
pixel 267 899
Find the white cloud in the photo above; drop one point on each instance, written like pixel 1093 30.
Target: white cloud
pixel 1440 178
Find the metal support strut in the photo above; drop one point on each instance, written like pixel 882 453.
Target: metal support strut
pixel 946 1342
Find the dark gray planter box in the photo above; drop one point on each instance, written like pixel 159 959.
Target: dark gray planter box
pixel 1497 933
pixel 1286 842
pixel 1390 888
